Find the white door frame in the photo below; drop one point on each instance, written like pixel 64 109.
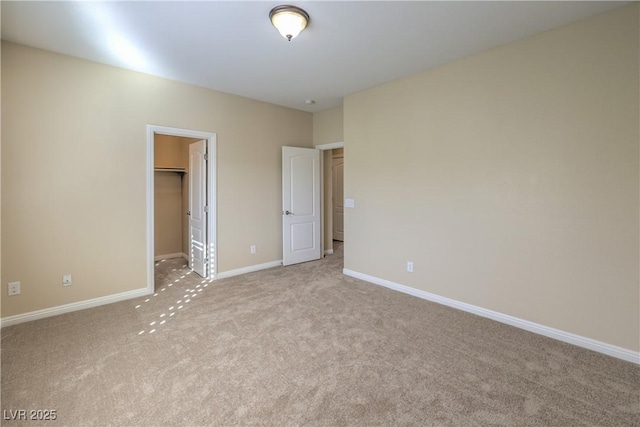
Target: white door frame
pixel 211 139
pixel 324 147
pixel 329 146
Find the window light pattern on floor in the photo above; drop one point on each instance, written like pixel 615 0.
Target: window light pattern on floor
pixel 179 284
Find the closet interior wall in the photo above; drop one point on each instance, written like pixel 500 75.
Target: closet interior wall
pixel 171 189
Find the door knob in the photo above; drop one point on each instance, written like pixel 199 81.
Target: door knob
pixel 288 213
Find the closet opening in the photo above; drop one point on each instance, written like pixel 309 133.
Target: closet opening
pixel 181 199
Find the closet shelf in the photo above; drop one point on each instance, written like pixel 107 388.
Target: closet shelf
pixel 177 170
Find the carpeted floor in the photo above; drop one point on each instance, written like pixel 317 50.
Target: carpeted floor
pixel 302 345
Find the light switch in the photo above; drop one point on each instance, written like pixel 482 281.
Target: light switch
pixel 349 203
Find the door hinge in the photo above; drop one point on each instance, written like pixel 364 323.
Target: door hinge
pixel 206 260
pixel 206 209
pixel 206 156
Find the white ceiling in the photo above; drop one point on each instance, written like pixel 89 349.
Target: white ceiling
pixel 232 47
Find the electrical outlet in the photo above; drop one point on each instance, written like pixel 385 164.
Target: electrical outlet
pixel 253 249
pixel 14 288
pixel 410 266
pixel 66 280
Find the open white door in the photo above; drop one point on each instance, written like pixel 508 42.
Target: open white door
pixel 300 205
pixel 198 207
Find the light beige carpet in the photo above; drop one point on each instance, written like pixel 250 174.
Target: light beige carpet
pixel 302 345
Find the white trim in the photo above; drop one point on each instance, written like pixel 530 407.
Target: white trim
pixel 580 341
pixel 76 306
pixel 329 146
pixel 150 213
pixel 249 269
pixel 328 252
pixel 188 133
pixel 212 226
pixel 174 170
pixel 169 256
pixel 211 139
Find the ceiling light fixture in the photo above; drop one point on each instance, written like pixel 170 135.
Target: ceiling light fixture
pixel 289 20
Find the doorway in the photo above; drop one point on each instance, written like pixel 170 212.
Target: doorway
pixel 337 199
pixel 328 196
pixel 181 172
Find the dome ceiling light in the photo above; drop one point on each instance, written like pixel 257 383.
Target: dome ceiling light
pixel 289 20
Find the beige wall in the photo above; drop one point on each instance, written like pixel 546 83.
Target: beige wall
pixel 510 179
pixel 173 191
pixel 167 213
pixel 171 151
pixel 328 126
pixel 168 152
pixel 74 178
pixel 185 217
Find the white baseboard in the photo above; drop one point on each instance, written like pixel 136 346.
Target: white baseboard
pixel 580 341
pixel 95 302
pixel 68 308
pixel 249 269
pixel 169 256
pixel 328 252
